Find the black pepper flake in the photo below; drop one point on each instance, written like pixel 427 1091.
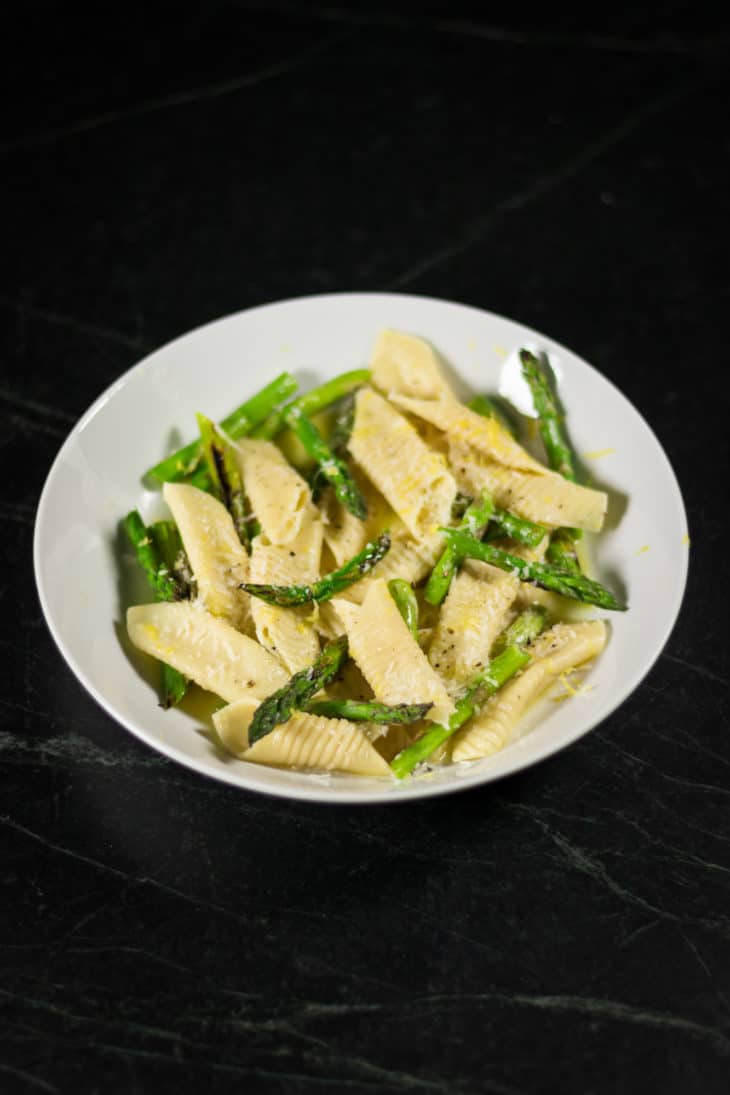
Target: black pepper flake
pixel 250 684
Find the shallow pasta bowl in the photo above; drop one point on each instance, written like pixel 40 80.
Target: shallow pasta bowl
pixel 95 479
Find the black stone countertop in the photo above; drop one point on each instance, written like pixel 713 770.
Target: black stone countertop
pixel 566 930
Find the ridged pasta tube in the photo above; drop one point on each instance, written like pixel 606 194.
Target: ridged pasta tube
pixel 218 560
pixel 304 741
pixel 411 477
pixel 288 632
pixel 388 656
pixel 280 498
pixel 547 499
pixel 205 649
pixel 402 364
pixel 465 427
pixel 344 533
pixel 476 610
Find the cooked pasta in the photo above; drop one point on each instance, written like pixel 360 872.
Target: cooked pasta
pixel 389 657
pixel 457 671
pixel 415 480
pixel 486 436
pixel 477 608
pixel 288 632
pixel 547 498
pixel 304 741
pixel 402 364
pixel 206 649
pixel 279 496
pixel 219 562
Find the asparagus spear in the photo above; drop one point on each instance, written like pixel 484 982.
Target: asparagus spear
pixel 506 523
pixel 576 586
pixel 240 422
pixel 483 685
pixel 474 522
pixel 561 550
pixel 334 470
pixel 550 420
pixel 526 627
pixel 559 453
pixel 158 574
pixel 169 545
pixel 369 711
pixel 200 479
pixel 344 420
pixel 314 401
pixel 296 693
pixel 518 528
pixel 225 476
pixel 165 587
pixel 174 686
pixel 338 440
pixel 167 540
pixel 402 593
pixel 328 586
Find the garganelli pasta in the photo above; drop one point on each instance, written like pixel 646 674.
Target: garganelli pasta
pixel 274 586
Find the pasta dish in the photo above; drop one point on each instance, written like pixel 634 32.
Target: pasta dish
pixel 374 576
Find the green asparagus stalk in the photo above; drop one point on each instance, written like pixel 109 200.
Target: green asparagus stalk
pixel 528 625
pixel 329 585
pixel 550 420
pixel 174 686
pixel 402 593
pixel 314 401
pixel 576 586
pixel 200 479
pixel 184 462
pixel 167 540
pixel 297 692
pixel 334 470
pixel 172 555
pixel 474 522
pixel 518 528
pixel 342 428
pixel 483 685
pixel 559 453
pixel 369 711
pixel 158 574
pixel 165 588
pixel 337 441
pixel 225 475
pixel 504 521
pixel 561 550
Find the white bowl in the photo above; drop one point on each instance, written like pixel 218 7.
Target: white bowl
pixel 95 480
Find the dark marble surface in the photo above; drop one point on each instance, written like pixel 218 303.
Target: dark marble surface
pixel 567 930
